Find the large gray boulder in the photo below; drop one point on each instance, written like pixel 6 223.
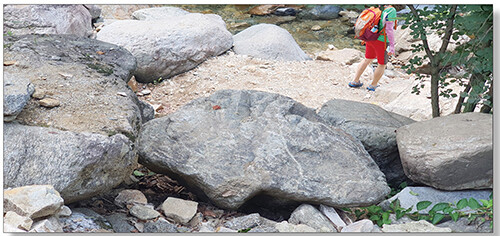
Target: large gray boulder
pixel 268 41
pixel 78 165
pixel 158 13
pixel 47 19
pixel 375 128
pixel 450 153
pixel 235 145
pixel 16 93
pixel 86 145
pixel 164 48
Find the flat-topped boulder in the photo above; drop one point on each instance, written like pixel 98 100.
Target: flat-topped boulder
pixel 453 152
pixel 170 45
pixel 235 145
pixel 47 19
pixel 268 41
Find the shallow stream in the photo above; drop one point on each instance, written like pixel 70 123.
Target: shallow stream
pixel 334 32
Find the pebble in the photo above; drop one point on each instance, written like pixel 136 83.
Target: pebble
pixel 143 212
pixel 179 210
pixel 146 91
pixel 49 102
pixel 316 28
pixel 130 197
pixel 123 94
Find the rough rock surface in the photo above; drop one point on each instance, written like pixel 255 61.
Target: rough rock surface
pixel 17 221
pixel 164 48
pixel 47 19
pixel 97 111
pixel 158 13
pixel 249 221
pixel 375 128
pixel 436 151
pixel 33 201
pixel 414 227
pixel 16 93
pixel 268 41
pixel 130 197
pixel 78 165
pixel 179 210
pixel 362 226
pixel 309 215
pixel 234 145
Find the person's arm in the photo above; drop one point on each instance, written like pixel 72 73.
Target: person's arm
pixel 389 30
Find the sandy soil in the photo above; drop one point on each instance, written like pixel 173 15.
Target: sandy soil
pixel 310 82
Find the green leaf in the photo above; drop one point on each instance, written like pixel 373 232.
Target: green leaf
pixel 454 216
pixel 138 173
pixel 423 204
pixel 473 204
pixel 486 203
pixel 448 210
pixel 375 217
pixel 413 193
pixel 438 217
pixel 385 218
pixel 374 209
pixel 440 206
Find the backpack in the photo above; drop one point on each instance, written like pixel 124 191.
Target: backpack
pixel 366 26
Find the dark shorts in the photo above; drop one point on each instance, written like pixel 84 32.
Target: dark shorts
pixel 376 49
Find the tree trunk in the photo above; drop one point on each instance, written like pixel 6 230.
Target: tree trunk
pixel 435 93
pixel 486 108
pixel 461 99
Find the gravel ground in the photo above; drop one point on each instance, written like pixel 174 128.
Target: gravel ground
pixel 312 83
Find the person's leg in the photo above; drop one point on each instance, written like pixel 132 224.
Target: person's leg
pixel 382 59
pixel 361 68
pixel 378 74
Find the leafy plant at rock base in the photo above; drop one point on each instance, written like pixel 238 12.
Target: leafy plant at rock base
pixel 483 211
pixel 475 56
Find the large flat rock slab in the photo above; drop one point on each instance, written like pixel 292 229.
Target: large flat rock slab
pixel 235 145
pixel 454 152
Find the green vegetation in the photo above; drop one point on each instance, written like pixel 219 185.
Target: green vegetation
pixel 483 211
pixel 475 55
pixel 103 69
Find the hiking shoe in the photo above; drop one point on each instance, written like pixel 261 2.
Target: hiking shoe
pixel 355 84
pixel 372 88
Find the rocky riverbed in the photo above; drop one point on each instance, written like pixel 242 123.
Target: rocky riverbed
pixel 214 136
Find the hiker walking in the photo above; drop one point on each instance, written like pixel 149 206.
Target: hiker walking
pixel 376 29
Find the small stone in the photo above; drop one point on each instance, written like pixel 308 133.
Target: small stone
pixel 316 28
pixel 9 63
pixel 38 94
pixel 120 223
pixel 159 226
pixel 362 226
pixel 33 201
pixel 146 92
pixel 334 217
pixel 223 229
pixel 49 102
pixel 15 220
pixel 206 227
pixel 418 226
pixel 65 75
pixel 130 197
pixel 123 94
pixel 143 212
pixel 331 47
pixel 284 226
pixel 157 107
pixel 132 83
pixel 64 211
pixel 50 225
pixel 179 210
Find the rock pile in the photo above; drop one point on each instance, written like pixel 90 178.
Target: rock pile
pixel 74 130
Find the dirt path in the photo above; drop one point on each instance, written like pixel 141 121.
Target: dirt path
pixel 310 82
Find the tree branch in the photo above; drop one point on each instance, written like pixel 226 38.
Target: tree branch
pixel 424 41
pixel 449 29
